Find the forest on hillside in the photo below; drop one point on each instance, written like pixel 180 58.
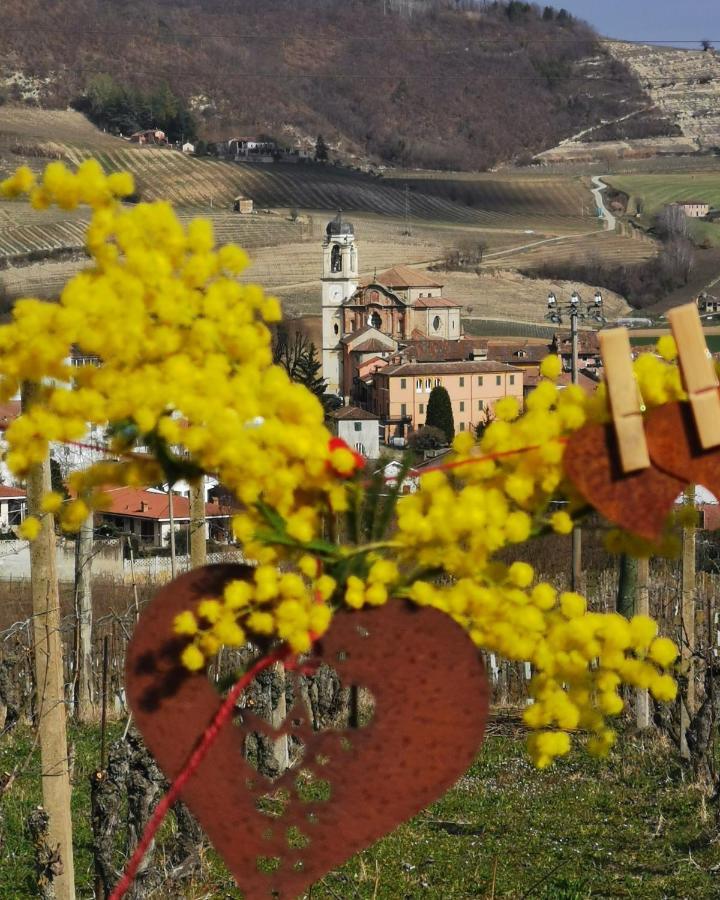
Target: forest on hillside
pixel 428 83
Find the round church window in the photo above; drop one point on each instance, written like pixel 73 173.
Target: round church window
pixel 337 329
pixel 436 323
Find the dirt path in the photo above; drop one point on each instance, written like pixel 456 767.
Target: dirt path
pixel 600 200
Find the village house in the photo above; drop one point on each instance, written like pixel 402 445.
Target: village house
pixel 243 205
pixel 145 513
pixel 149 136
pixel 13 507
pixel 707 303
pixel 359 428
pixel 401 392
pixel 411 482
pixel 694 209
pixel 248 148
pixel 588 349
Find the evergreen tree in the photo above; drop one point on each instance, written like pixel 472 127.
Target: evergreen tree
pixel 321 149
pixel 299 357
pixel 439 412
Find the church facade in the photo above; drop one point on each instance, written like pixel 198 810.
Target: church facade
pixel 367 322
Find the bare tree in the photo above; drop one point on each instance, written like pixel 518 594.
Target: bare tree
pixel 671 222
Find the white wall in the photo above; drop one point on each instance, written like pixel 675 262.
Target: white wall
pixel 367 436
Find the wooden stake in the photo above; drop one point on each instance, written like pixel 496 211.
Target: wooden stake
pixel 687 708
pixel 171 516
pixel 625 401
pixel 698 372
pixel 83 605
pixel 281 747
pixel 52 733
pixel 642 698
pixel 198 543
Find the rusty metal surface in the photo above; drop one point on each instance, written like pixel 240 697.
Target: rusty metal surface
pixel 675 448
pixel 431 698
pixel 639 502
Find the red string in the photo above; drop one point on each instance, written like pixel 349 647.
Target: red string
pixel 456 464
pixel 208 738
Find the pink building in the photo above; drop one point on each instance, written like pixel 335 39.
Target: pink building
pixel 401 392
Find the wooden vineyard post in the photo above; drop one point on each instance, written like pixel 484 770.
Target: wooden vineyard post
pixel 687 704
pixel 51 716
pixel 642 608
pixel 83 607
pixel 198 545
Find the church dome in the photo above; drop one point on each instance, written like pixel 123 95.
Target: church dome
pixel 337 227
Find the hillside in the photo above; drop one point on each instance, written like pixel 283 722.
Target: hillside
pixel 521 219
pixel 431 84
pixel 684 86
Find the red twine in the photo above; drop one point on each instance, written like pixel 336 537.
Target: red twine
pixel 209 736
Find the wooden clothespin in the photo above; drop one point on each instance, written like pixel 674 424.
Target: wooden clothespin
pixel 626 403
pixel 698 373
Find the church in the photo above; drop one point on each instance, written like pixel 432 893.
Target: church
pixel 395 316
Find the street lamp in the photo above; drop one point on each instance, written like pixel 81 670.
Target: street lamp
pixel 574 309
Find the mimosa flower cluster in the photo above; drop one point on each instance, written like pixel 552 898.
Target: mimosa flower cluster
pixel 186 372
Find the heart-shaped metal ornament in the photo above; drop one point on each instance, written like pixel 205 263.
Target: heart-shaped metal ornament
pixel 641 501
pixel 431 697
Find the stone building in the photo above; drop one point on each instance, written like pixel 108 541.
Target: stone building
pixel 373 319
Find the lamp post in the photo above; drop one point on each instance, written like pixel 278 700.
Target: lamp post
pixel 574 309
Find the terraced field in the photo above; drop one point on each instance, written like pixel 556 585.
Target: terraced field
pixel 609 247
pixel 21 235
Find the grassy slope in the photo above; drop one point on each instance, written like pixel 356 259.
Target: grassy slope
pixel 631 827
pixel 657 191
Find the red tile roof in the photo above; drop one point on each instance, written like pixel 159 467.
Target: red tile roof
pixel 11 493
pixel 429 349
pixel 468 367
pixel 137 503
pixel 8 412
pixel 435 303
pixel 352 413
pixel 371 346
pixel 404 277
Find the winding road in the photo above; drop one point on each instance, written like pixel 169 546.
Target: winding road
pixel 600 201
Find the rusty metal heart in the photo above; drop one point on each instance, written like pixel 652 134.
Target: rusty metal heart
pixel 639 502
pixel 675 449
pixel 431 699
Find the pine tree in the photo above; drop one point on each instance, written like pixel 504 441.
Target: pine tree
pixel 299 357
pixel 321 149
pixel 439 412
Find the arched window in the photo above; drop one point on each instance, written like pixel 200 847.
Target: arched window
pixel 335 259
pixel 375 320
pixel 436 323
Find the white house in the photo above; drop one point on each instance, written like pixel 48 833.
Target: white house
pixel 359 428
pixel 13 507
pixel 146 514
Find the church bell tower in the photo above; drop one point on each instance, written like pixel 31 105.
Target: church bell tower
pixel 339 282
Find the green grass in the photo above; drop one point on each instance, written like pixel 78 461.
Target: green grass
pixel 659 190
pixel 630 827
pixel 712 340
